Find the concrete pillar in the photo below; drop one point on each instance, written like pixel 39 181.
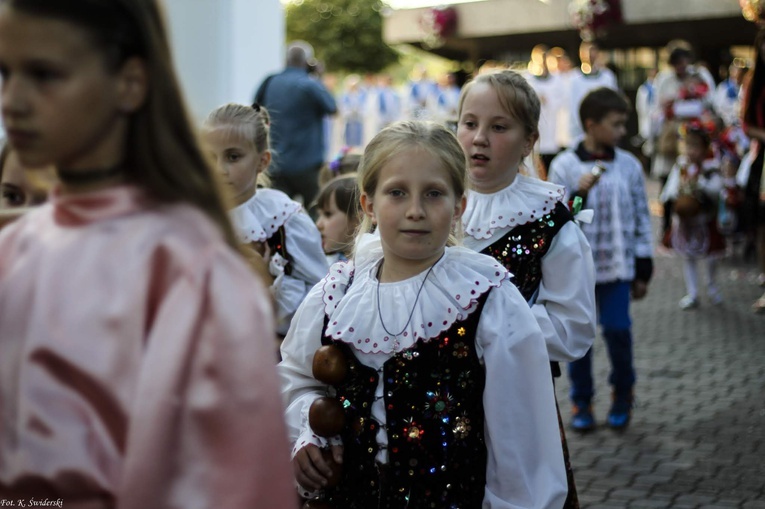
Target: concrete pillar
pixel 224 48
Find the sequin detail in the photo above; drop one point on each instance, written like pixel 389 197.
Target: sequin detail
pixel 521 250
pixel 434 424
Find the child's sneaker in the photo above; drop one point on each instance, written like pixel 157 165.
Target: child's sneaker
pixel 582 419
pixel 620 413
pixel 688 303
pixel 716 298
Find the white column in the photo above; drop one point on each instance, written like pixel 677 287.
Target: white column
pixel 224 48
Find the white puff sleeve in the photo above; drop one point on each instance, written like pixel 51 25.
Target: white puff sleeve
pixel 565 303
pixel 525 466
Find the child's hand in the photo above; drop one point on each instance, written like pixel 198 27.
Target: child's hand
pixel 639 289
pixel 312 470
pixel 263 249
pixel 587 180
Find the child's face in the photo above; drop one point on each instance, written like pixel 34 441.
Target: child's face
pixel 60 103
pixel 495 142
pixel 607 132
pixel 20 188
pixel 335 227
pixel 415 208
pixel 695 149
pixel 237 161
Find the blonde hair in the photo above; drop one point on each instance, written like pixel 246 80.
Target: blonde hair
pixel 515 95
pixel 162 151
pixel 251 123
pixel 436 139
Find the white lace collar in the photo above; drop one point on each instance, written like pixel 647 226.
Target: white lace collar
pixel 449 294
pixel 258 218
pixel 523 201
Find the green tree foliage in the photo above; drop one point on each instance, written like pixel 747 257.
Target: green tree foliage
pixel 346 34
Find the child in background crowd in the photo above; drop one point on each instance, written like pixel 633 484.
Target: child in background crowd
pixel 522 222
pixel 136 367
pixel 610 181
pixel 421 364
pixel 345 161
pixel 694 184
pixel 275 225
pixel 339 216
pixel 20 187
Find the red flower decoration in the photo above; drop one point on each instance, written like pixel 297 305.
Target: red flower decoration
pixel 438 23
pixel 592 17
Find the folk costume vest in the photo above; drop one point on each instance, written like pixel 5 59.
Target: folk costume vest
pixel 521 249
pixel 435 425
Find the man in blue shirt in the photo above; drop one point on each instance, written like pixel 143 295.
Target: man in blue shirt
pixel 296 103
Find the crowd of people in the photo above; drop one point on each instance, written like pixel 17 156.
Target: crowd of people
pixel 238 314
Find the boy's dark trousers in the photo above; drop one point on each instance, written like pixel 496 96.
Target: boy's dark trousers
pixel 613 301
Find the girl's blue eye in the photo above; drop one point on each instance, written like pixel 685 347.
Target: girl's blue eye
pixel 396 193
pixel 435 194
pixel 232 158
pixel 500 128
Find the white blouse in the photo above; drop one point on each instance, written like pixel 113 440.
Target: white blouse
pixel 564 304
pixel 256 220
pixel 525 460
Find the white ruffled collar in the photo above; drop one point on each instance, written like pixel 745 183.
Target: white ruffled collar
pixel 525 200
pixel 257 219
pixel 450 294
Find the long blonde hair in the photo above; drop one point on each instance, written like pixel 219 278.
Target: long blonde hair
pixel 435 138
pixel 163 154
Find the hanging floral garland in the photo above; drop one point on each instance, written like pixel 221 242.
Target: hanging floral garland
pixel 438 23
pixel 592 17
pixel 753 10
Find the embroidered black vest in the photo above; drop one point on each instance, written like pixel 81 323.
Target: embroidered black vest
pixel 521 251
pixel 433 396
pixel 278 244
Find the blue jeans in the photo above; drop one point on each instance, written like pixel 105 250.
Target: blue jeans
pixel 613 300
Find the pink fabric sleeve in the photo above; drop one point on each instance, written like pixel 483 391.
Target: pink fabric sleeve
pixel 207 428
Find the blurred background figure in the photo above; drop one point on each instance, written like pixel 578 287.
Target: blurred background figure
pixel 353 110
pixel 682 94
pixel 298 103
pixel 447 98
pixel 645 101
pixel 592 74
pixel 20 187
pixel 551 89
pixel 421 90
pixel 387 103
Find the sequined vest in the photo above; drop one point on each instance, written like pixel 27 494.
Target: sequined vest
pixel 433 396
pixel 521 249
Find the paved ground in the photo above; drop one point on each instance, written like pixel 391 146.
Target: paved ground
pixel 697 438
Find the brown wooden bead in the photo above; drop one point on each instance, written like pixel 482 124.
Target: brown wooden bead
pixel 326 417
pixel 329 365
pixel 687 206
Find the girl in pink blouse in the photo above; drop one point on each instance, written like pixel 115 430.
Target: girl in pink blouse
pixel 136 367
